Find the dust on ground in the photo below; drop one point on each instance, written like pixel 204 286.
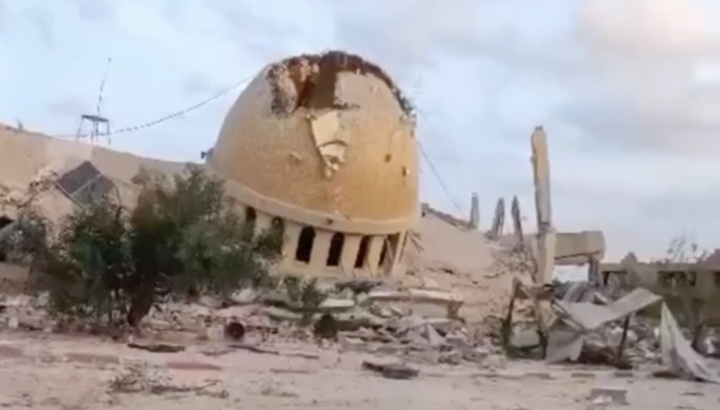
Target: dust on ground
pixel 55 372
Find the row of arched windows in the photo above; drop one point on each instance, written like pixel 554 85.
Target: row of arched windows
pixel 306 241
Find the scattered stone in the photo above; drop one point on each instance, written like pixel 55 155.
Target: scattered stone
pixel 353 344
pixel 624 374
pixel 282 315
pixel 273 352
pixel 432 336
pixel 327 327
pixel 476 354
pixel 358 286
pixel 608 395
pixel 336 305
pixel 526 338
pixel 234 331
pixel 356 319
pixel 452 357
pixel 244 297
pixel 210 302
pixel 693 393
pixel 395 371
pixel 539 375
pixel 665 374
pixel 457 339
pixel 582 375
pixel 157 347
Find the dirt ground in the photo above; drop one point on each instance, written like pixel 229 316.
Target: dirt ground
pixel 42 371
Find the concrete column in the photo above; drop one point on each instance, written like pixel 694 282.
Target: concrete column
pixel 397 253
pixel 320 249
pixel 263 222
pixel 292 234
pixel 474 211
pixel 350 252
pixel 373 255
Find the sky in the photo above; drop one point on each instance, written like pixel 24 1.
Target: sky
pixel 627 90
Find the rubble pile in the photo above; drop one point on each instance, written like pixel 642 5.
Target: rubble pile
pixel 412 317
pixel 464 262
pixel 417 324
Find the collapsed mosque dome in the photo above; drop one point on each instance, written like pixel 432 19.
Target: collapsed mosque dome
pixel 326 142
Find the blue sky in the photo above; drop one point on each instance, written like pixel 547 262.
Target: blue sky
pixel 628 90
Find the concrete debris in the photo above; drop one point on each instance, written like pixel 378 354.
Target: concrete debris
pixel 141 377
pixel 677 353
pixel 336 305
pixel 451 301
pixel 157 347
pixel 571 337
pixel 392 371
pixel 608 395
pixel 577 319
pixel 373 321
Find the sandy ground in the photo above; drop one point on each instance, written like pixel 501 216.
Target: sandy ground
pixel 54 372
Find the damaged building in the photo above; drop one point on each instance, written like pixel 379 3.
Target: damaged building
pixel 323 147
pixel 58 175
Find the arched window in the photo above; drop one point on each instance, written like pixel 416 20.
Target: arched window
pixel 4 221
pixel 305 244
pixel 250 218
pixel 336 248
pixel 362 252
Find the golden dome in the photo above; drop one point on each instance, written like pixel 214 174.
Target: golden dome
pixel 328 136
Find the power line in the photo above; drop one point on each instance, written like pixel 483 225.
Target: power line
pixel 442 183
pixel 435 172
pixel 181 112
pixel 238 84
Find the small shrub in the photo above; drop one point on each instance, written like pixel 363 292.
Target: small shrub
pixel 304 295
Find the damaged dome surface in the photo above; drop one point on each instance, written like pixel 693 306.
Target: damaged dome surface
pixel 328 133
pixel 323 146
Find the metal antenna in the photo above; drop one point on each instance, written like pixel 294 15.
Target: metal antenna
pixel 102 87
pixel 96 120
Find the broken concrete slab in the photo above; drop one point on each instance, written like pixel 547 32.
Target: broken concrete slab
pixel 679 355
pixel 608 395
pixel 396 371
pixel 566 337
pixel 282 315
pixel 432 336
pixel 589 316
pixel 336 305
pixel 452 301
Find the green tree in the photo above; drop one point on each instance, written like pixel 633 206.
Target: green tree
pixel 182 237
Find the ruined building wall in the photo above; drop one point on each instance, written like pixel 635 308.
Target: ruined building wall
pixel 27 158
